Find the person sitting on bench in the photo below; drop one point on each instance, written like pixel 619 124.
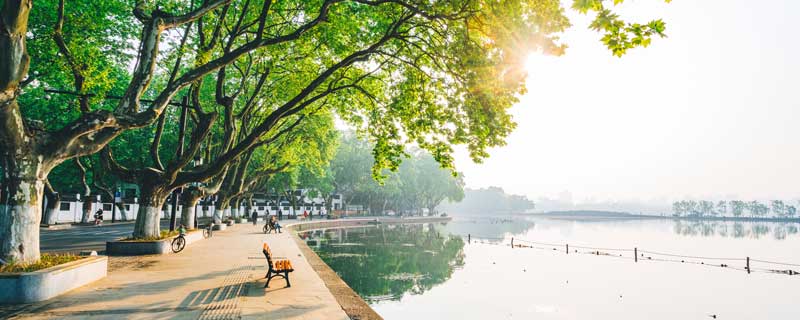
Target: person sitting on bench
pixel 277 268
pixel 274 225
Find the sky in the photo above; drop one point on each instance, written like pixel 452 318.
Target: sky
pixel 709 112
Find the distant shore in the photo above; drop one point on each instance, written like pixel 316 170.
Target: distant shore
pixel 615 215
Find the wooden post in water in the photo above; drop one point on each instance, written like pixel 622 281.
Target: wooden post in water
pixel 567 248
pixel 469 238
pixel 512 242
pixel 748 265
pixel 635 254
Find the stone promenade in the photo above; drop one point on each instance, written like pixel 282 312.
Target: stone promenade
pixel 218 278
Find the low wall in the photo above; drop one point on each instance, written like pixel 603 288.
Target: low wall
pixel 44 284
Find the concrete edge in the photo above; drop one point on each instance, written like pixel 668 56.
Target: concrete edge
pixel 55 226
pixel 353 305
pixel 40 285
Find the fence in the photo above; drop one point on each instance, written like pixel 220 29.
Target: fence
pixel 636 254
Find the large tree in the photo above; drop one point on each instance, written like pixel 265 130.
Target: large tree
pixel 435 73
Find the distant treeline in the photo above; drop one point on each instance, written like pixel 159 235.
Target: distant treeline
pixel 492 200
pixel 735 208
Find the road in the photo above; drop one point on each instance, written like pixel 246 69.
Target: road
pixel 84 238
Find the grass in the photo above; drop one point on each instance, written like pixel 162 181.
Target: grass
pixel 165 234
pixel 47 260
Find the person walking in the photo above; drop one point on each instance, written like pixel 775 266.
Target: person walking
pixel 255 216
pixel 98 217
pixel 280 214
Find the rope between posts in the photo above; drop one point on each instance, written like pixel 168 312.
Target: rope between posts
pixel 605 249
pixel 778 263
pixel 554 246
pixel 691 257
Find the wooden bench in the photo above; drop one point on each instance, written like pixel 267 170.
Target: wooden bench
pixel 277 268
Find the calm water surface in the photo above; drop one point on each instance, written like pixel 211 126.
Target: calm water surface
pixel 429 271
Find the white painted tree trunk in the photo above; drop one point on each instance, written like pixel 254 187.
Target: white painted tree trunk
pixel 86 207
pixel 19 220
pixel 51 214
pixel 235 212
pixel 148 222
pixel 189 210
pixel 218 214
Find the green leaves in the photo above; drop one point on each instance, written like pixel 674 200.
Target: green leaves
pixel 619 35
pixel 584 6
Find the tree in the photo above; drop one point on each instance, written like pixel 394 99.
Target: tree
pixel 737 207
pixel 678 208
pixel 791 211
pixel 779 208
pixel 705 207
pixel 722 207
pixel 440 72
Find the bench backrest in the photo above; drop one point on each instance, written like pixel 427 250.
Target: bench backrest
pixel 267 253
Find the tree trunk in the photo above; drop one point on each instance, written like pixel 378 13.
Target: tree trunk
pixel 189 202
pixel 21 208
pixel 221 209
pixel 53 206
pixel 235 208
pixel 148 219
pixel 123 214
pixel 86 208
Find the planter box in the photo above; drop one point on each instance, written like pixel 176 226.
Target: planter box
pixel 220 227
pixel 44 284
pixel 138 248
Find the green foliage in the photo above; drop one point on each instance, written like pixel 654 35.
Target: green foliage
pixel 418 183
pixel 441 74
pixel 489 201
pixel 619 35
pixel 47 260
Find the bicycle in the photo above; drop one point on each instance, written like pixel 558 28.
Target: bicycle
pixel 178 243
pixel 267 228
pixel 207 233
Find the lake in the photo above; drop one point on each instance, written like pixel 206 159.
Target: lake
pixel 685 269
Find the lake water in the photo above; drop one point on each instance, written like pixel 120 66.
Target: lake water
pixel 432 271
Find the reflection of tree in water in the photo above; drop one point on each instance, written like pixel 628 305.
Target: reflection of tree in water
pixel 387 261
pixel 755 230
pixel 489 227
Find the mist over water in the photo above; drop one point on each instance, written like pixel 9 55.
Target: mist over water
pixel 483 277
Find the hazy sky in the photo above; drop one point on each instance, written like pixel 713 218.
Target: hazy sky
pixel 710 111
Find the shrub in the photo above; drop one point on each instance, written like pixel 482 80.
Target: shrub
pixel 47 260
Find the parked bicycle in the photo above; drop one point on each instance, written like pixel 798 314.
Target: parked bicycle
pixel 180 241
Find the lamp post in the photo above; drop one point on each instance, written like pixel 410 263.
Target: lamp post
pixel 178 154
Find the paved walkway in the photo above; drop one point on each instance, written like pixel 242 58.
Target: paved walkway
pixel 218 278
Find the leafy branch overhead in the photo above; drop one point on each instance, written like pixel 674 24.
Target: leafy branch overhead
pixel 619 35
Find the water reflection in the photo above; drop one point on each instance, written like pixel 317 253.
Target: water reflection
pixel 385 262
pixel 490 227
pixel 752 230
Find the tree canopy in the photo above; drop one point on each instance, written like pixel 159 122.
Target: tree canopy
pixel 76 75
